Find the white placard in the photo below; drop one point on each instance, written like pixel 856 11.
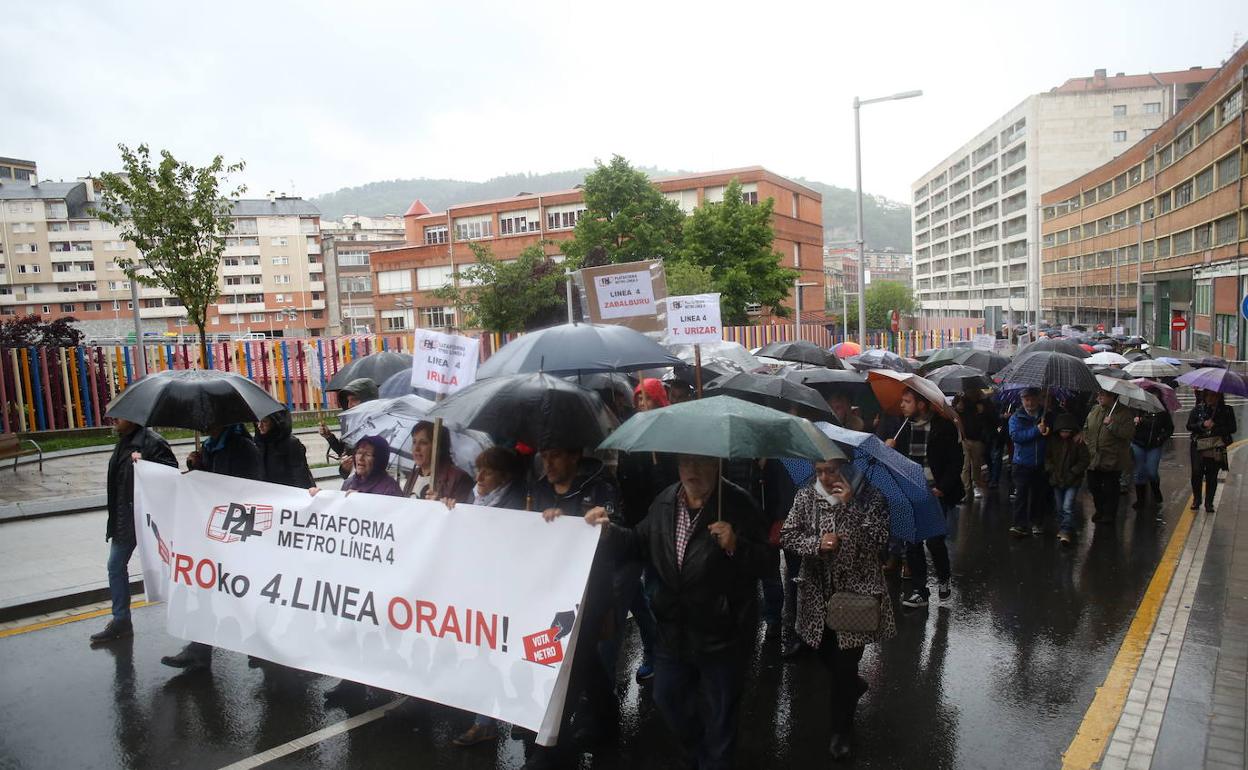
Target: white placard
pixel 694 318
pixel 386 591
pixel 625 295
pixel 984 341
pixel 444 363
pixel 1118 330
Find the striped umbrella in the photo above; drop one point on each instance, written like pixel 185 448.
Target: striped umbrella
pixel 1068 347
pixel 1050 369
pixel 1149 368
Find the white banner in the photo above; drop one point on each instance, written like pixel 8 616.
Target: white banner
pixel 694 318
pixel 444 363
pixel 472 607
pixel 623 295
pixel 984 341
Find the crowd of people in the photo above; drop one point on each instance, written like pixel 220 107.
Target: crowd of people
pixel 699 553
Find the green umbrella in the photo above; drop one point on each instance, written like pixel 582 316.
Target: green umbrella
pixel 723 427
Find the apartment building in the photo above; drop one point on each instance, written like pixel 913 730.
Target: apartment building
pixel 405 277
pixel 1159 232
pixel 347 245
pixel 12 169
pixel 976 219
pixel 58 259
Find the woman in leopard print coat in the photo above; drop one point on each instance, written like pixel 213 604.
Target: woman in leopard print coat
pixel 839 534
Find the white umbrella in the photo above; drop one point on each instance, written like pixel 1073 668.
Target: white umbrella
pixel 1150 368
pixel 393 420
pixel 1131 395
pixel 1106 358
pixel 733 354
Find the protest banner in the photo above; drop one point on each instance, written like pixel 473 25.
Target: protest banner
pixel 984 341
pixel 444 363
pixel 474 607
pixel 628 294
pixel 694 318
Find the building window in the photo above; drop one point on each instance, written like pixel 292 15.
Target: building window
pixel 1183 144
pixel 749 197
pixel 257 317
pixel 1227 327
pixel 1227 230
pixel 281 279
pixel 435 235
pixel 563 218
pixel 1204 182
pixel 277 240
pixel 474 229
pixel 92 306
pixel 1183 194
pixel 1230 107
pixel 1228 169
pixel 1120 111
pixel 1152 108
pixel 517 222
pixel 353 258
pixel 394 320
pixel 1181 243
pixel 27 268
pixel 437 317
pixel 391 281
pixel 429 278
pixel 281 261
pixel 68 308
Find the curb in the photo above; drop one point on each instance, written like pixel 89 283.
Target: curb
pixel 42 605
pixel 64 506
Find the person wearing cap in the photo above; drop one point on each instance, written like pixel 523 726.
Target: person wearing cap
pixel 1028 432
pixel 1108 433
pixel 1066 461
pixel 353 394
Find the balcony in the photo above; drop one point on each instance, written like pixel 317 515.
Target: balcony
pixel 316 286
pixel 319 304
pixel 66 256
pixel 66 296
pixel 73 276
pixel 240 270
pixel 162 312
pixel 241 251
pixel 240 307
pixel 314 248
pixel 152 292
pixel 316 267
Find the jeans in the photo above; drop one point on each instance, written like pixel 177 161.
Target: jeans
pixel 698 698
pixel 847 687
pixel 1064 502
pixel 1104 488
pixel 995 445
pixel 119 577
pixel 1147 463
pixel 1029 487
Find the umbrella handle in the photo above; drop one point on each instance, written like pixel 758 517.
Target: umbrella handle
pixel 719 497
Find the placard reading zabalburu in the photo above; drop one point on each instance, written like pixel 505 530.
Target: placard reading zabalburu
pixel 629 294
pixel 386 591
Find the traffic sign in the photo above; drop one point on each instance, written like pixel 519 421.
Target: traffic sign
pixel 1178 323
pixel 1243 306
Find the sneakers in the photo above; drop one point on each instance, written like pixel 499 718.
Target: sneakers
pixel 116 629
pixel 1036 529
pixel 1018 531
pixel 914 600
pixel 1065 538
pixel 645 672
pixel 943 591
pixel 474 735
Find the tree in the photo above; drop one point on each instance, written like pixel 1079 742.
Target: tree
pixel 177 218
pixel 626 218
pixel 32 330
pixel 883 297
pixel 688 278
pixel 733 240
pixel 526 294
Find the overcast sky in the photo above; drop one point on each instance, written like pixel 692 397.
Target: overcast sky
pixel 315 96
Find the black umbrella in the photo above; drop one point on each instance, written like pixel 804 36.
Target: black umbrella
pixel 542 410
pixel 400 384
pixel 1050 369
pixel 199 399
pixel 1135 341
pixel 377 367
pixel 1069 347
pixel 769 390
pixel 880 359
pixel 954 379
pixel 1217 362
pixel 831 381
pixel 1112 371
pixel 1137 355
pixel 801 352
pixel 577 349
pixel 983 360
pixel 923 355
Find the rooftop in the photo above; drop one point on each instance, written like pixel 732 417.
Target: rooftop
pixel 1101 82
pixel 278 207
pixel 25 191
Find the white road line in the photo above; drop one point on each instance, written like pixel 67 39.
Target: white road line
pixel 311 739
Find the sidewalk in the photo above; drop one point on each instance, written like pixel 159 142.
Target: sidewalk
pixel 1187 704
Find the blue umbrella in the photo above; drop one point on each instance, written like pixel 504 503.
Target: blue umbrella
pixel 914 512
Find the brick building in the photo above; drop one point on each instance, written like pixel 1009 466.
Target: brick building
pixel 1160 229
pixel 405 277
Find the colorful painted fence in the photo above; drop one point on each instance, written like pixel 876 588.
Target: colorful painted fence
pixel 64 388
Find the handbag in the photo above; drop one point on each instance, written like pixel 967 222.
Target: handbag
pixel 1211 447
pixel 853 613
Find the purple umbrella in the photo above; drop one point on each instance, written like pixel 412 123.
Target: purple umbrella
pixel 1163 392
pixel 1217 380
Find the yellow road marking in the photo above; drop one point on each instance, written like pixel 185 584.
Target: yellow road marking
pixel 1099 721
pixel 67 619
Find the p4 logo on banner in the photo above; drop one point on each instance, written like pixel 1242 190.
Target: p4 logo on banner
pixel 444 363
pixel 693 319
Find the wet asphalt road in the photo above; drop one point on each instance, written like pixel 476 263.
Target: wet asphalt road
pixel 1001 678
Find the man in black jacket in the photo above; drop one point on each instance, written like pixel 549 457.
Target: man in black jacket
pixel 706 542
pixel 228 451
pixel 283 458
pixel 933 442
pixel 134 442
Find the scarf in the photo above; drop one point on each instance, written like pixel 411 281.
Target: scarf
pixel 825 494
pixel 490 499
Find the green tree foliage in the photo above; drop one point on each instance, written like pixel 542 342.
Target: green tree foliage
pixel 626 219
pixel 733 240
pixel 883 297
pixel 499 296
pixel 32 330
pixel 177 218
pixel 688 278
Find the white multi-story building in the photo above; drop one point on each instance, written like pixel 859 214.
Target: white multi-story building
pixel 57 259
pixel 976 223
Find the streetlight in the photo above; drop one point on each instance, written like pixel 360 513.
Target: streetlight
pixel 862 275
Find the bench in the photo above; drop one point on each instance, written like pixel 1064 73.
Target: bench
pixel 11 446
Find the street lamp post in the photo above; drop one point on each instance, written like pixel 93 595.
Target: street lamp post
pixel 862 276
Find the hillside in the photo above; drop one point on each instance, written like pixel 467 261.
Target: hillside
pixel 887 221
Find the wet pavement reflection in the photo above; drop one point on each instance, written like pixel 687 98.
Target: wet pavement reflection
pixel 1000 677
